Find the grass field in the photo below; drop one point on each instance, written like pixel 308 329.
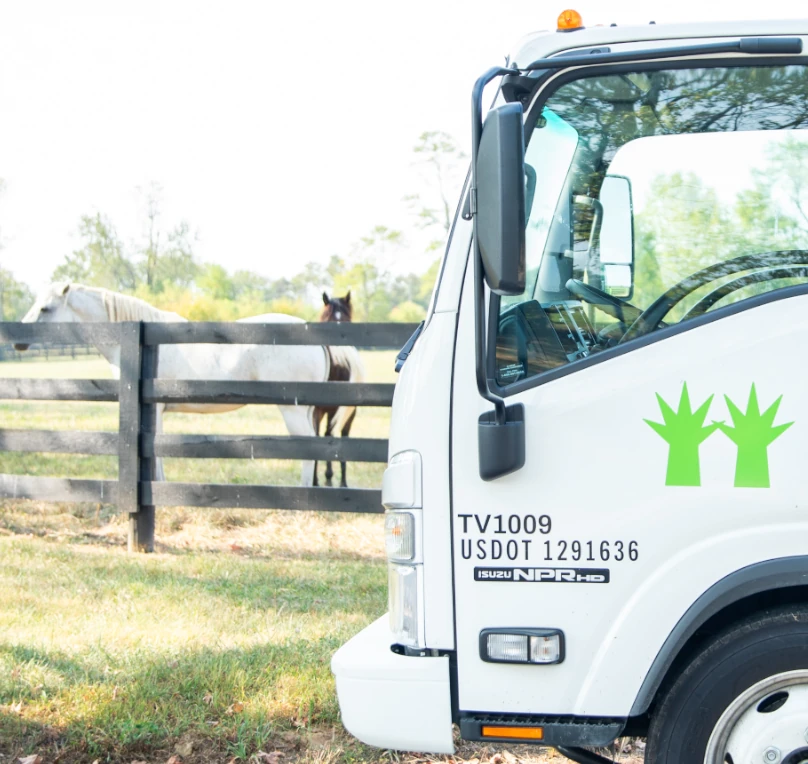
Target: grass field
pixel 216 647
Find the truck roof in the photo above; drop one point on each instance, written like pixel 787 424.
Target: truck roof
pixel 545 44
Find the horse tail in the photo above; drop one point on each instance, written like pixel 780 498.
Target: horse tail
pixel 346 366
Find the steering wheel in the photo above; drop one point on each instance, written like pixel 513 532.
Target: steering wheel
pixel 758 277
pixel 652 316
pixel 623 311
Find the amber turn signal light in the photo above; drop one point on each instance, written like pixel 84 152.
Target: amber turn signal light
pixel 514 733
pixel 569 20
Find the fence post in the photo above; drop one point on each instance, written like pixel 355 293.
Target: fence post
pixel 148 467
pixel 130 464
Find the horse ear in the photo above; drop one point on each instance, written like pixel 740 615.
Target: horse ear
pixel 325 298
pixel 347 297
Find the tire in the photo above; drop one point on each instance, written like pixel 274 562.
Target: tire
pixel 757 666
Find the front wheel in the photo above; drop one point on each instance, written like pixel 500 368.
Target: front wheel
pixel 743 698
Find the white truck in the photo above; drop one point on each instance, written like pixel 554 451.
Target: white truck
pixel 597 503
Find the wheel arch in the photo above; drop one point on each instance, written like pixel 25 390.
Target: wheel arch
pixel 755 587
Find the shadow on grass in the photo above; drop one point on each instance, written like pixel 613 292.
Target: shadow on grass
pixel 235 701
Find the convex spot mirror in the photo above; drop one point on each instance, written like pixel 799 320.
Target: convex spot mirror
pixel 617 236
pixel 500 179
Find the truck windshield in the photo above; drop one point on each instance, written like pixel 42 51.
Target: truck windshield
pixel 659 196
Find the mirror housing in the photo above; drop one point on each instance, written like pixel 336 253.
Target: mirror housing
pixel 616 237
pixel 499 212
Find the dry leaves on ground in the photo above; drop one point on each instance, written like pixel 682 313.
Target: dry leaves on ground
pixel 183 749
pixel 34 758
pixel 267 758
pixel 321 739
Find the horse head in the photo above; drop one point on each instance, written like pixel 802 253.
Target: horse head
pixel 336 309
pixel 63 302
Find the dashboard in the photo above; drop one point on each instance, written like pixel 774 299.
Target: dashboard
pixel 533 338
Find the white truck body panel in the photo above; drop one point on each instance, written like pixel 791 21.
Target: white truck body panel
pixel 592 463
pixel 545 45
pixel 392 701
pixel 688 538
pixel 420 422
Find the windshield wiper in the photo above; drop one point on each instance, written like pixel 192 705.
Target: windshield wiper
pixel 753 46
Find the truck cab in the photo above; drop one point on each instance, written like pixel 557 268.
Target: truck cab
pixel 596 513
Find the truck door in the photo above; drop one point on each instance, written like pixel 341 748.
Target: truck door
pixel 653 356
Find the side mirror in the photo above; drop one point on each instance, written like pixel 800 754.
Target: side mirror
pixel 617 236
pixel 499 220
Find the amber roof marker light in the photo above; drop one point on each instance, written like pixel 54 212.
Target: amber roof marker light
pixel 570 21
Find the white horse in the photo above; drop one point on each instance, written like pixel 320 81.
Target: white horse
pixel 300 363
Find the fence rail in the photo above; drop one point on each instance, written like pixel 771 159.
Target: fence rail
pixel 47 351
pixel 138 444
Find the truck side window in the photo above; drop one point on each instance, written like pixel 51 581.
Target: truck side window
pixel 660 196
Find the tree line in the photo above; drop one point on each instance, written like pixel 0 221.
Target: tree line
pixel 163 269
pixel 685 226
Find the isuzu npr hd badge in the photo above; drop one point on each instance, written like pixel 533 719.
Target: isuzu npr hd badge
pixel 544 575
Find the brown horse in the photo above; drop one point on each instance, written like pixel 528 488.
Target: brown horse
pixel 344 366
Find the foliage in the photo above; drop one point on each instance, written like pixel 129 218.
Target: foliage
pixel 439 155
pixel 174 264
pixel 163 269
pixel 407 312
pixel 101 260
pixel 685 227
pixel 15 297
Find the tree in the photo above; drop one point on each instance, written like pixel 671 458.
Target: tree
pixel 174 264
pixel 407 313
pixel 2 190
pixel 151 251
pixel 306 285
pixel 101 260
pixel 427 284
pixel 405 288
pixel 215 282
pixel 15 297
pixel 368 276
pixel 439 154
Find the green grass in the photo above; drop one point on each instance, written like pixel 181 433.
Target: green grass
pixel 114 654
pixel 93 367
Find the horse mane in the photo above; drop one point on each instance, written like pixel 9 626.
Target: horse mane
pixel 122 307
pixel 345 364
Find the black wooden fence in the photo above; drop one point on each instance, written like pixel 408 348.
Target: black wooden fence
pixel 139 391
pixel 46 351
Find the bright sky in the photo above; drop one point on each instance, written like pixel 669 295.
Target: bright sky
pixel 282 132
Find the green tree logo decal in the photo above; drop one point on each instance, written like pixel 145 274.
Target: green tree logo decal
pixel 753 433
pixel 684 432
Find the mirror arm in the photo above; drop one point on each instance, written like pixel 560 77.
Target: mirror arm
pixel 479 281
pixel 594 234
pixel 597 222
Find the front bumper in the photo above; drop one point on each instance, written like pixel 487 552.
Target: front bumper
pixel 393 701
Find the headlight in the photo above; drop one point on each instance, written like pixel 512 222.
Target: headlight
pixel 403 587
pixel 399 536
